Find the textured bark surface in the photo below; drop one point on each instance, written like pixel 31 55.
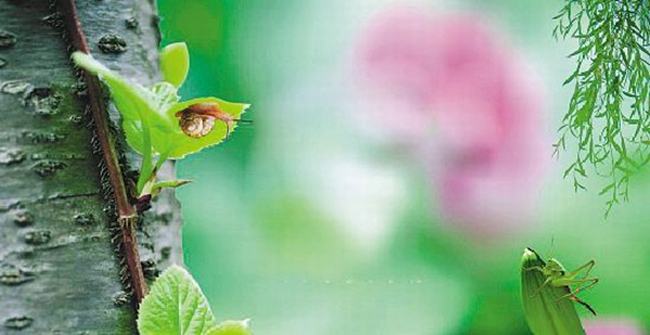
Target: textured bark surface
pixel 59 272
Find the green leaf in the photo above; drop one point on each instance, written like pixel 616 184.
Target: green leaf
pixel 231 328
pixel 149 116
pixel 183 145
pixel 547 313
pixel 175 306
pixel 175 63
pixel 137 105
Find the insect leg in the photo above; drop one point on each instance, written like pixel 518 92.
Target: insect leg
pixel 539 289
pixel 585 283
pixel 586 268
pixel 588 283
pixel 584 304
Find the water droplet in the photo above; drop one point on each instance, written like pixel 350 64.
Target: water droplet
pixel 84 219
pixel 23 218
pixel 7 39
pixel 9 156
pixel 38 237
pixel 112 43
pixel 18 322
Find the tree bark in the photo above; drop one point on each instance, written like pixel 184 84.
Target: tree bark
pixel 60 272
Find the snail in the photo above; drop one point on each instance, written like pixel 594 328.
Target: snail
pixel 198 120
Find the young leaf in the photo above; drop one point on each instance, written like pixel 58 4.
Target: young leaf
pixel 175 63
pixel 150 116
pixel 185 145
pixel 175 306
pixel 155 122
pixel 231 328
pixel 547 310
pixel 136 104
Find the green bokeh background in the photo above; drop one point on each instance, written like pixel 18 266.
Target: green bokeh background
pixel 262 245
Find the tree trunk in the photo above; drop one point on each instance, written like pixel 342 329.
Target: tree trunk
pixel 59 268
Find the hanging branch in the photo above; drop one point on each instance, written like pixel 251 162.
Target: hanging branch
pixel 608 119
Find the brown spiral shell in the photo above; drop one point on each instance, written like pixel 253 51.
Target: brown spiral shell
pixel 198 120
pixel 196 125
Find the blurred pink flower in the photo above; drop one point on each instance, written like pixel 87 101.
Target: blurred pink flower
pixel 613 327
pixel 456 74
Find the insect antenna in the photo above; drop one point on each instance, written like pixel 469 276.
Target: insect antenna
pixel 244 121
pixel 551 249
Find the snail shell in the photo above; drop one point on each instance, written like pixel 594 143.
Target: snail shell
pixel 196 125
pixel 198 120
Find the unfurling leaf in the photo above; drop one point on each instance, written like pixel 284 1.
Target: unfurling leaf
pixel 175 63
pixel 547 310
pixel 149 116
pixel 175 306
pixel 156 122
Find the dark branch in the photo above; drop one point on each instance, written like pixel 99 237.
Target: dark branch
pixel 127 215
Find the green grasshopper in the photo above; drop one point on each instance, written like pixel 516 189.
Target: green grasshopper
pixel 557 276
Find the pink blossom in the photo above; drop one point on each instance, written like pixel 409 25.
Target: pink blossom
pixel 456 74
pixel 613 327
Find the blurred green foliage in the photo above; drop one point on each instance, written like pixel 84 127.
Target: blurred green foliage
pixel 262 242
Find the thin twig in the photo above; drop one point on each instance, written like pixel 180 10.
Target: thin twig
pixel 127 215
